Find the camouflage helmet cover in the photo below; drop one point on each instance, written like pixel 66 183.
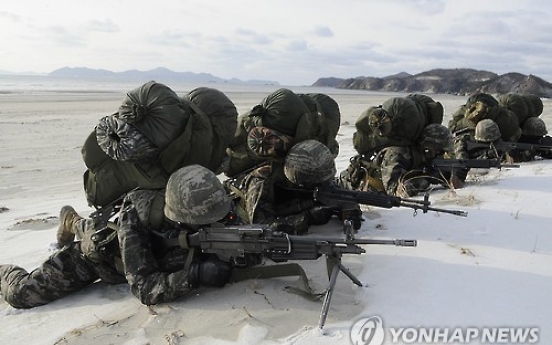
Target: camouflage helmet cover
pixel 195 195
pixel 309 162
pixel 534 126
pixel 437 137
pixel 487 131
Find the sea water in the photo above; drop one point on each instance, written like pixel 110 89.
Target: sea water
pixel 352 102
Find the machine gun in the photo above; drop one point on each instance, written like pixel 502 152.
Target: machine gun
pixel 441 163
pixel 332 195
pixel 238 241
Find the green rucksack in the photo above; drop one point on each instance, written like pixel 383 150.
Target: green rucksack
pixel 149 119
pixel 407 123
pixel 330 121
pixel 365 140
pixel 432 109
pixel 456 123
pixel 482 106
pixel 282 111
pixel 223 117
pixel 179 143
pixel 524 106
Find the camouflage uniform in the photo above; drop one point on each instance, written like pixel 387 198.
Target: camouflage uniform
pixel 154 276
pixel 403 170
pixel 461 151
pixel 533 132
pixel 386 138
pixel 385 172
pixel 262 196
pixel 400 167
pixel 486 132
pixel 530 155
pixel 492 149
pixel 282 193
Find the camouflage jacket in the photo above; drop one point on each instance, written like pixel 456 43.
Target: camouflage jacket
pixel 155 274
pixel 131 254
pixel 262 196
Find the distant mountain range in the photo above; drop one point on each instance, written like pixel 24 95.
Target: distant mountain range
pixel 461 81
pixel 159 73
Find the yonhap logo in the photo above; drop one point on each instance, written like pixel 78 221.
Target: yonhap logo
pixel 367 331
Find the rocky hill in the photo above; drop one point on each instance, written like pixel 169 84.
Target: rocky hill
pixel 461 81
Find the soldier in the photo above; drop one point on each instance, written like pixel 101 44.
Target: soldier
pixel 276 192
pixel 194 196
pixel 483 142
pixel 405 170
pixel 533 131
pixel 481 106
pixel 387 140
pixel 486 132
pixel 437 143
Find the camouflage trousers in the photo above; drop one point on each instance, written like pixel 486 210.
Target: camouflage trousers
pixel 63 273
pixel 154 276
pixel 395 163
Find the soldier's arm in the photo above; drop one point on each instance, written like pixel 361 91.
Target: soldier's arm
pixel 141 267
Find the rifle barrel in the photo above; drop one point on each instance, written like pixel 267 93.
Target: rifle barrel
pixel 364 197
pixel 454 212
pixel 396 242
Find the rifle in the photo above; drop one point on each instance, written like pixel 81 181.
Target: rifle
pixel 507 146
pixel 238 241
pixel 332 195
pixel 440 163
pixel 539 148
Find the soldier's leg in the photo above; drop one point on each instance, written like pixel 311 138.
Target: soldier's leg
pixel 64 272
pixel 396 162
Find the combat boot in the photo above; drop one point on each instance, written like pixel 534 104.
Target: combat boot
pixel 66 231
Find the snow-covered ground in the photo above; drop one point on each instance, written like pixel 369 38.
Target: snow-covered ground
pixel 485 278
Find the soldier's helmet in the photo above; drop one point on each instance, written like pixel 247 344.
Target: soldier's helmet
pixel 487 131
pixel 437 137
pixel 309 163
pixel 195 195
pixel 534 127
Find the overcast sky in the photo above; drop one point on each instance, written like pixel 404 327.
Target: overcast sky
pixel 293 42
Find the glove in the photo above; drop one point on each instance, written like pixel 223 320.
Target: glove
pixel 412 188
pixel 354 214
pixel 211 272
pixel 295 224
pixel 282 226
pixel 319 215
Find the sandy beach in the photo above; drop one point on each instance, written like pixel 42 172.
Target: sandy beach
pixel 41 169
